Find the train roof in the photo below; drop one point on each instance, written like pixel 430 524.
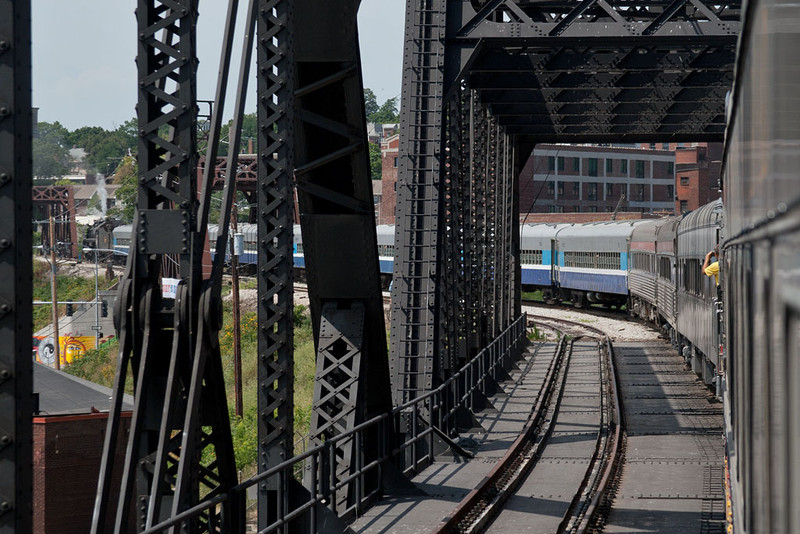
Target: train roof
pixel 596 236
pixel 123 229
pixel 703 217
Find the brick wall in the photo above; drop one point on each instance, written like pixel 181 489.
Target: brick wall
pixel 389 164
pixel 66 461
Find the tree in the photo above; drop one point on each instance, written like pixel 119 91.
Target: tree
pixel 50 153
pixel 387 114
pixel 105 148
pixel 126 177
pixel 375 163
pixel 249 131
pixel 370 103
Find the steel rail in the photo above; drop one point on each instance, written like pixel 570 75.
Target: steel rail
pixel 476 511
pixel 590 518
pixel 511 469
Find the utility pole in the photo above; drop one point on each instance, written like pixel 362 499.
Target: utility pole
pixel 237 348
pixel 53 289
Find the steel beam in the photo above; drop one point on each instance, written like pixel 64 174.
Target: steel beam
pixel 276 85
pixel 415 293
pixel 16 292
pixel 337 218
pixel 179 450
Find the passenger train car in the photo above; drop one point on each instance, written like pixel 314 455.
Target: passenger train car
pixel 761 272
pixel 651 266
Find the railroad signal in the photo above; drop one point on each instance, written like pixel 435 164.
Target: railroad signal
pixel 104 308
pixel 70 309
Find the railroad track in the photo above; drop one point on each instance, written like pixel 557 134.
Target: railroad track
pixel 575 425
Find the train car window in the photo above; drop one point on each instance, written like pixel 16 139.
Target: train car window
pixel 592 260
pixel 530 257
pixel 299 248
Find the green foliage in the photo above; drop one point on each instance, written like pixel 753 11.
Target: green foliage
pixel 375 162
pixel 249 131
pixel 382 114
pixel 532 295
pixel 370 102
pixel 386 114
pixel 104 148
pixel 126 176
pixel 100 366
pixel 50 151
pixel 536 335
pixel 69 288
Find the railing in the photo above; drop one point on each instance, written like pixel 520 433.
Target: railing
pixel 318 463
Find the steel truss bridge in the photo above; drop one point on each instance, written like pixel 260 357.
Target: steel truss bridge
pixel 483 82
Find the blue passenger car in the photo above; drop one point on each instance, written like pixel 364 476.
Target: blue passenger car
pixel 593 262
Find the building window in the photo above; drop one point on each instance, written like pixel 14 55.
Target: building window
pixel 608 208
pixel 576 189
pixel 551 163
pixel 395 163
pixel 670 168
pixel 592 191
pixel 560 188
pixel 684 206
pixel 623 166
pixel 560 163
pixel 609 165
pixel 670 192
pixel 576 164
pixel 684 180
pixel 639 164
pixel 665 146
pixel 640 192
pixel 652 146
pixel 592 209
pixel 592 166
pixel 550 188
pixel 609 190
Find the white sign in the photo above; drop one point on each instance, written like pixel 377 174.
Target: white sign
pixel 169 287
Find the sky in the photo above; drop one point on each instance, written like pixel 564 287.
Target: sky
pixel 83 57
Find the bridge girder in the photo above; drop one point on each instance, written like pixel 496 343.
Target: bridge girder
pixel 589 71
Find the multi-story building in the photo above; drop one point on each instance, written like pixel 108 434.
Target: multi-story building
pixel 651 178
pixel 578 178
pixel 697 170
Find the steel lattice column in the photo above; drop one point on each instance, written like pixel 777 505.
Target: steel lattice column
pixel 275 208
pixel 414 332
pixel 179 450
pixel 16 293
pixel 335 200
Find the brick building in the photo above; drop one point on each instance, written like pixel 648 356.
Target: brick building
pixel 697 170
pixel 68 435
pixel 388 201
pixel 655 178
pixel 578 179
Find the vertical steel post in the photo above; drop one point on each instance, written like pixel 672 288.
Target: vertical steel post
pixel 16 292
pixel 414 330
pixel 275 210
pixel 54 287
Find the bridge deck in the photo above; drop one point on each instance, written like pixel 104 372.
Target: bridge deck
pixel 444 483
pixel 673 465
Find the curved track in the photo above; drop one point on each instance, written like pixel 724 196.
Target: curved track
pixel 573 429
